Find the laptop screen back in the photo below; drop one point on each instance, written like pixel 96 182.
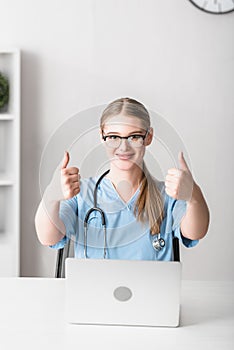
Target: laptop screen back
pixel 123 292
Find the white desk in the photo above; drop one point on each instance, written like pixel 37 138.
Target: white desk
pixel 32 317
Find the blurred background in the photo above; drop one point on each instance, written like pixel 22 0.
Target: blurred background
pixel 174 58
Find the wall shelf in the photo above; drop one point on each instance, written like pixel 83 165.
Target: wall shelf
pixel 10 167
pixel 6 182
pixel 6 116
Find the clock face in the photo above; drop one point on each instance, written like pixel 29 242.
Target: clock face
pixel 215 6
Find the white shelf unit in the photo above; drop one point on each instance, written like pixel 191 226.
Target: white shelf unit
pixel 10 167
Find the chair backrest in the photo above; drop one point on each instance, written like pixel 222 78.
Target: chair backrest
pixel 62 254
pixel 66 251
pixel 176 249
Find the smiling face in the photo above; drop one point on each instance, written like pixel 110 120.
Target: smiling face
pixel 126 156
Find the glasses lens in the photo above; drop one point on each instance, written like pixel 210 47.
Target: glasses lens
pixel 113 141
pixel 136 140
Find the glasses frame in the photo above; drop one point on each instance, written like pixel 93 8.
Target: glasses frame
pixel 104 137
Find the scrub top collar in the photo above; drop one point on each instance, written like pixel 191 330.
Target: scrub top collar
pixel 118 197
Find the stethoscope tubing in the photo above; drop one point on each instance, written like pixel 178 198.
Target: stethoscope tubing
pixel 158 243
pixel 103 217
pixel 89 212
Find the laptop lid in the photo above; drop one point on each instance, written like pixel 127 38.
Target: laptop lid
pixel 123 292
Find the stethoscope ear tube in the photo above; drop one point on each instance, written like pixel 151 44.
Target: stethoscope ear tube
pixel 96 187
pixel 95 208
pixel 89 213
pixel 86 227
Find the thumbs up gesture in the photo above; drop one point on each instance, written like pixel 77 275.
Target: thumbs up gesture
pixel 179 182
pixel 70 179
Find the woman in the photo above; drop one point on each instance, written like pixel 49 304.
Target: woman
pixel 140 211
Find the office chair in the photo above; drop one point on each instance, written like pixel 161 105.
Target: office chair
pixel 62 254
pixel 176 249
pixel 65 252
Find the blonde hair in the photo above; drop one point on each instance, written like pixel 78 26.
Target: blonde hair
pixel 149 204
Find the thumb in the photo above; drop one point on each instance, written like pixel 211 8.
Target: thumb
pixel 182 163
pixel 65 161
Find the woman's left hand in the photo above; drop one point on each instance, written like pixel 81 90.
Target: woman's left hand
pixel 179 182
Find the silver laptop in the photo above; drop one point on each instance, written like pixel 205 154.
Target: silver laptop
pixel 123 292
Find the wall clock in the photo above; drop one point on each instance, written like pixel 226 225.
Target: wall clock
pixel 217 7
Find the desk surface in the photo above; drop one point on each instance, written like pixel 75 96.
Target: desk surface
pixel 32 317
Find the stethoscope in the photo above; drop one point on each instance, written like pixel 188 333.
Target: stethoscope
pixel 158 243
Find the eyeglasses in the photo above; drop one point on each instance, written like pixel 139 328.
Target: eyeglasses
pixel 114 141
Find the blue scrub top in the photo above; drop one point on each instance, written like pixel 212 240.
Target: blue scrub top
pixel 127 238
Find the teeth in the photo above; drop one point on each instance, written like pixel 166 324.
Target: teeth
pixel 124 156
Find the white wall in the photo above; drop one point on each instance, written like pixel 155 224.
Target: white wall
pixel 172 57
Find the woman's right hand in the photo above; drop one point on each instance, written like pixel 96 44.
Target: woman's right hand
pixel 70 179
pixel 64 184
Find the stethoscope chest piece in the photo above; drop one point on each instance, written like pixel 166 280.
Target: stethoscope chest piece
pixel 158 243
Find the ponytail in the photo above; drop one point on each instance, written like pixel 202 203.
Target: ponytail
pixel 149 205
